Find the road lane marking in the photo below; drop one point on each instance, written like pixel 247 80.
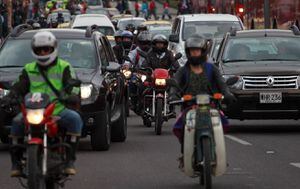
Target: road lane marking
pixel 295 165
pixel 238 140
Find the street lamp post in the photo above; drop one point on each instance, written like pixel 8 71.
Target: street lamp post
pixel 267 13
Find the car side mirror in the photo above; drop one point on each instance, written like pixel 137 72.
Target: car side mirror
pixel 113 67
pixel 178 56
pixel 174 38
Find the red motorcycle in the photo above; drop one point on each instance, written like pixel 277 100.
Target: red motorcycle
pixel 46 152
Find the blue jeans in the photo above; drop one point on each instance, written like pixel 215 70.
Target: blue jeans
pixel 69 120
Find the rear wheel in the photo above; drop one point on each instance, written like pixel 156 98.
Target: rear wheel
pixel 158 116
pixel 100 135
pixel 206 178
pixel 34 162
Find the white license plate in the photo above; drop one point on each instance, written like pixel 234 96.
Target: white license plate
pixel 270 98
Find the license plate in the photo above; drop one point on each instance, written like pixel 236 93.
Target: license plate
pixel 270 98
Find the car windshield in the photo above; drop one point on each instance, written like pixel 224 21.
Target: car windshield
pixel 53 17
pixel 262 49
pixel 94 2
pixel 209 29
pixel 80 53
pixel 104 30
pixel 97 11
pixel 161 30
pixel 124 23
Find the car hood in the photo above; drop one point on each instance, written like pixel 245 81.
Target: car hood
pixel 10 75
pixel 262 68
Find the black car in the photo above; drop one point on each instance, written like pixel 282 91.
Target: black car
pixel 102 88
pixel 262 68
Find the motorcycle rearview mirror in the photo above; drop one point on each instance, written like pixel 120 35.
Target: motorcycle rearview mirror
pixel 232 80
pixel 178 56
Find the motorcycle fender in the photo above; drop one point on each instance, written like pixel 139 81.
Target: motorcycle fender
pixel 200 134
pixel 35 141
pixel 221 162
pixel 189 143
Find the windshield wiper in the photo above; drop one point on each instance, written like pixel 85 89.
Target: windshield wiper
pixel 237 60
pixel 12 66
pixel 278 59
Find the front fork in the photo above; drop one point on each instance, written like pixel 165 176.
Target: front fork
pixel 154 97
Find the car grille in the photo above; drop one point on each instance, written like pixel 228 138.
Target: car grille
pixel 270 82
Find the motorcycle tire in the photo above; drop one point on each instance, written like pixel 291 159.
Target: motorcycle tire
pixel 50 184
pixel 35 178
pixel 159 116
pixel 119 128
pixel 206 178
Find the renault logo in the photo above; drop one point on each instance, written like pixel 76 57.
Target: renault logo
pixel 270 81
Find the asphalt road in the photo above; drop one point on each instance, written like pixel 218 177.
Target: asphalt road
pixel 261 155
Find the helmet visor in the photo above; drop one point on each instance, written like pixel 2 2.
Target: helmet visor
pixel 42 51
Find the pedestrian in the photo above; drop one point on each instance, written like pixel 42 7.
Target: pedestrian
pixel 137 8
pixel 166 10
pixel 120 6
pixel 145 9
pixel 152 9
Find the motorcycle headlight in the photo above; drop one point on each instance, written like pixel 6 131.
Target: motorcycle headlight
pixel 160 82
pixel 3 92
pixel 127 73
pixel 143 78
pixel 86 91
pixel 35 117
pixel 237 85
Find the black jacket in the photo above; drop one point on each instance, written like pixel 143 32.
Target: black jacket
pixel 167 62
pixel 216 81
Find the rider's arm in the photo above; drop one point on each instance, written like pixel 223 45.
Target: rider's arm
pixel 132 56
pixel 174 63
pixel 220 83
pixel 21 87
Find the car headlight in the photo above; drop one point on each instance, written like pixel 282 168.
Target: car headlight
pixel 143 78
pixel 3 92
pixel 35 117
pixel 160 82
pixel 127 73
pixel 86 91
pixel 237 85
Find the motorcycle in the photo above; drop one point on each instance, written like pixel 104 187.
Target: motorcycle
pixel 46 152
pixel 204 152
pixel 156 107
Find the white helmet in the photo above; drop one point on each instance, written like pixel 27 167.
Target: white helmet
pixel 44 39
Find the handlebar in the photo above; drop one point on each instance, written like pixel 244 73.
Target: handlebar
pixel 199 99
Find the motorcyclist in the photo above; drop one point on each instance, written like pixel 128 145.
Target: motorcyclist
pixel 197 76
pixel 118 50
pixel 160 56
pixel 139 29
pixel 59 72
pixel 130 27
pixel 60 18
pixel 124 46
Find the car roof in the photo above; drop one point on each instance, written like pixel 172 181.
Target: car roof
pixel 59 33
pixel 60 10
pixel 209 17
pixel 265 33
pixel 91 19
pixel 157 22
pixel 119 16
pixel 132 18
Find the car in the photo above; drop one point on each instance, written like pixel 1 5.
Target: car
pixel 123 22
pixel 261 67
pixel 214 49
pixel 207 25
pixel 100 10
pixel 159 27
pixel 95 3
pixel 113 11
pixel 115 19
pixel 103 22
pixel 53 16
pixel 102 88
pixel 157 23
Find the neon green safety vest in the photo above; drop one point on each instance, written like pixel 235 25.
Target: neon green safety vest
pixel 55 76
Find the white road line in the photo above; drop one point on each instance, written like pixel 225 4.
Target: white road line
pixel 295 165
pixel 235 139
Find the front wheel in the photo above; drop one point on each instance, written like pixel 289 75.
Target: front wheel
pixel 158 116
pixel 206 178
pixel 34 163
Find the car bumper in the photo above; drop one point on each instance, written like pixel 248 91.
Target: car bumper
pixel 248 106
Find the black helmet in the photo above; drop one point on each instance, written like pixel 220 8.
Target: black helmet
pixel 130 27
pixel 118 33
pixel 142 27
pixel 144 40
pixel 196 42
pixel 159 38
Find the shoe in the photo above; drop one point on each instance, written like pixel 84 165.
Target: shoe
pixel 70 168
pixel 16 171
pixel 181 165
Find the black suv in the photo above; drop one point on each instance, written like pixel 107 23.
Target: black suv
pixel 262 68
pixel 102 88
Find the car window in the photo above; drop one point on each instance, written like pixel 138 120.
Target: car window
pixel 103 29
pixel 110 55
pixel 79 53
pixel 123 23
pixel 262 48
pixel 103 56
pixel 174 27
pixel 212 29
